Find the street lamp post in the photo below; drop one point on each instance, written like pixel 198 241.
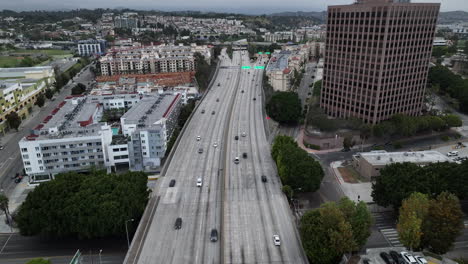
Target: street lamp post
pixel 100 251
pixel 126 230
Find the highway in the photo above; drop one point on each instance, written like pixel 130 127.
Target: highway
pixel 255 210
pixel 199 207
pixel 233 200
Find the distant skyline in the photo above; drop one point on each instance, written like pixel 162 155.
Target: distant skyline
pixel 239 6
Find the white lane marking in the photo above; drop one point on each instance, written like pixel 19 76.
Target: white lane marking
pixel 6 242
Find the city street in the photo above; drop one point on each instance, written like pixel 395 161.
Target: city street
pixel 309 77
pixel 17 249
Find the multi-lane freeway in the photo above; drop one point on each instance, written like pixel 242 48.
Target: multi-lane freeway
pixel 245 211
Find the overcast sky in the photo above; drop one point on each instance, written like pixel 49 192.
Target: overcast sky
pixel 236 6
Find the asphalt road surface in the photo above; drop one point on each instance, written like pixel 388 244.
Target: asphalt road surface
pixel 233 200
pixel 255 210
pixel 17 249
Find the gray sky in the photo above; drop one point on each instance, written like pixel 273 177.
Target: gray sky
pixel 242 6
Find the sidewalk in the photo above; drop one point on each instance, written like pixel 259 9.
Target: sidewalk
pixel 17 197
pixel 354 191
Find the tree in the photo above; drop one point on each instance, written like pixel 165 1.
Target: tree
pixel 4 207
pixel 288 191
pixel 348 142
pixel 40 100
pixel 185 112
pixel 413 212
pixel 109 38
pixel 443 224
pixel 39 261
pixel 13 120
pixel 295 167
pixel 284 107
pixel 78 89
pixel 360 218
pixel 317 88
pixel 84 206
pixel 398 181
pixel 326 235
pixel 452 120
pixel 49 93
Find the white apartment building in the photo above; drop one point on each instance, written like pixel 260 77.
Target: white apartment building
pixel 94 47
pixel 73 138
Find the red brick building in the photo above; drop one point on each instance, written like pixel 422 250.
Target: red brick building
pixel 377 58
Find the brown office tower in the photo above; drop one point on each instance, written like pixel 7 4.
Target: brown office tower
pixel 377 58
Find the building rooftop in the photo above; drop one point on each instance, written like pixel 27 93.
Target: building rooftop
pixel 150 110
pixel 76 116
pixel 382 157
pixel 279 61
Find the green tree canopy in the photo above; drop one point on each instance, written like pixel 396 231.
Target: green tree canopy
pixel 40 100
pixel 412 214
pixel 398 181
pixel 13 120
pixel 84 206
pixel 326 235
pixel 284 107
pixel 443 224
pixel 49 93
pixel 360 219
pixel 295 167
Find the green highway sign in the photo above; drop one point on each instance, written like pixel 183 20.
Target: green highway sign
pixel 260 53
pixel 246 67
pixel 259 67
pixel 268 53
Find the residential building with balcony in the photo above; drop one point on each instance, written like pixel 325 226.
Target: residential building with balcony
pixel 19 88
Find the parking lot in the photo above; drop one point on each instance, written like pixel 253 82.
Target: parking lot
pixel 460 151
pixel 373 256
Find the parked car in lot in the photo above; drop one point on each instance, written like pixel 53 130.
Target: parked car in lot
pixel 420 260
pixel 397 257
pixel 452 153
pixel 213 112
pixel 409 259
pixel 244 134
pixel 387 258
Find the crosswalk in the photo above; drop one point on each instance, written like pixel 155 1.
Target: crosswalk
pixel 388 230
